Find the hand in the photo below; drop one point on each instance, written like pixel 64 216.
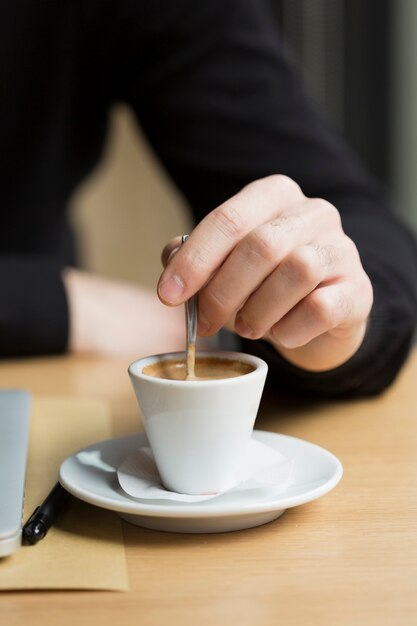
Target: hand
pixel 274 264
pixel 110 317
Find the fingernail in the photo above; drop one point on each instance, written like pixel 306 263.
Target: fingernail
pixel 242 328
pixel 170 290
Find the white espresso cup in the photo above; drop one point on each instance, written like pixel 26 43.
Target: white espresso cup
pixel 199 430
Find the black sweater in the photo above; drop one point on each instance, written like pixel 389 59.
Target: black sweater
pixel 212 90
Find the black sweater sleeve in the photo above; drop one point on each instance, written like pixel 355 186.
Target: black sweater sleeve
pixel 33 311
pixel 221 106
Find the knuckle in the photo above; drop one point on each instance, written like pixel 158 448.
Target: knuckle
pixel 287 224
pixel 350 249
pixel 198 259
pixel 247 321
pixel 262 243
pixel 301 268
pixel 276 334
pixel 321 309
pixel 344 307
pixel 215 300
pixel 277 184
pixel 368 288
pixel 367 293
pixel 229 220
pixel 284 183
pixel 330 309
pixel 327 256
pixel 327 210
pixel 254 320
pixel 282 337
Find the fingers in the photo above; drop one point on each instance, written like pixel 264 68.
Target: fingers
pixel 276 265
pixel 246 274
pixel 324 309
pixel 297 276
pixel 220 231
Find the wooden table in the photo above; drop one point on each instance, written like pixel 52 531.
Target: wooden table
pixel 347 558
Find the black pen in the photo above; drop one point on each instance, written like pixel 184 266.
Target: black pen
pixel 44 515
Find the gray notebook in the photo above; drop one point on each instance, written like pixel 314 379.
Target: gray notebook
pixel 14 439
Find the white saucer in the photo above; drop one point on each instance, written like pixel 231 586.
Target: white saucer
pixel 91 476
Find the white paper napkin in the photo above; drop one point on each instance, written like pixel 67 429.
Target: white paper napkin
pixel 262 468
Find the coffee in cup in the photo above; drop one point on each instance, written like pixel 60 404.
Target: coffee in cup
pixel 206 368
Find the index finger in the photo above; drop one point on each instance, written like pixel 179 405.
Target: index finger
pixel 214 238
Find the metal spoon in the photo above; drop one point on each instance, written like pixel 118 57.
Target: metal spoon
pixel 191 313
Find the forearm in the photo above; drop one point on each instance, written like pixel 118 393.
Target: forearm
pixel 112 317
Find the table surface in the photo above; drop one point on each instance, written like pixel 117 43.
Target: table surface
pixel 348 558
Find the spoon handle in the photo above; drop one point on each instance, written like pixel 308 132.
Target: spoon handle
pixel 191 315
pixel 191 312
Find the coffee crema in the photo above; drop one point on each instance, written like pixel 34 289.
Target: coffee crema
pixel 206 368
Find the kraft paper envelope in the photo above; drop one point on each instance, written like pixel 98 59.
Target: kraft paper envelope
pixel 84 550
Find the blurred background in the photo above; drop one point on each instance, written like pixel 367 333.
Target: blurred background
pixel 359 62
